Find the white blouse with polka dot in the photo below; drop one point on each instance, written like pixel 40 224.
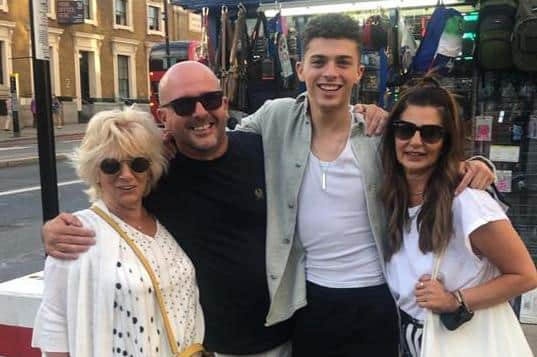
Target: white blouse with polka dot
pixel 138 327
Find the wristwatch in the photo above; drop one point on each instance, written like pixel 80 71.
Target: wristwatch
pixel 464 309
pixel 452 320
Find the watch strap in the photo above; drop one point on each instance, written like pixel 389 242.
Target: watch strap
pixel 460 298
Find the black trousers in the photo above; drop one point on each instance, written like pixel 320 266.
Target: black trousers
pixel 347 323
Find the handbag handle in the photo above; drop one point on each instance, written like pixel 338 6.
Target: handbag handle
pixel 436 265
pixel 224 34
pixel 265 34
pixel 174 346
pixel 436 268
pixel 204 52
pixel 255 32
pixel 237 34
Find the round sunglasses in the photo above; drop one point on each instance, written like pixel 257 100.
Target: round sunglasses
pixel 137 164
pixel 430 134
pixel 186 106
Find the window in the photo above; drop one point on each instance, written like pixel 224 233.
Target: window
pixel 153 18
pixel 121 12
pixel 90 11
pixel 87 9
pixel 2 79
pixel 123 76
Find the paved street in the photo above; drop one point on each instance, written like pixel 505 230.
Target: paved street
pixel 21 251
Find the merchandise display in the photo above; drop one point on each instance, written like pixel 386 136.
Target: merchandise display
pixel 467 46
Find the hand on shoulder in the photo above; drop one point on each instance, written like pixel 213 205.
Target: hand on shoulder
pixel 64 237
pixel 375 117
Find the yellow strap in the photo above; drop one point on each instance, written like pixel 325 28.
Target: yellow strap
pixel 167 326
pixel 191 350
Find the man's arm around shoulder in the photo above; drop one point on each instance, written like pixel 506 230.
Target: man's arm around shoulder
pixel 64 237
pixel 258 121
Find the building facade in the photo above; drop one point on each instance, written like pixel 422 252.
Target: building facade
pixel 96 65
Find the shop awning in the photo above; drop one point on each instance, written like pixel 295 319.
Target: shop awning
pixel 197 5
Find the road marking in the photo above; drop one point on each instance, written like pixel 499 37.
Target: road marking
pixel 14 148
pixel 37 188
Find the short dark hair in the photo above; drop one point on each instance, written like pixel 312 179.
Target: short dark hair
pixel 334 26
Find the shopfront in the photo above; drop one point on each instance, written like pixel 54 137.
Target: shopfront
pixel 497 97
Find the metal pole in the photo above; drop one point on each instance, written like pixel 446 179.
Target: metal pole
pixel 167 35
pixel 14 105
pixel 45 129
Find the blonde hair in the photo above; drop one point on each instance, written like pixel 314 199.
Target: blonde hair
pixel 120 135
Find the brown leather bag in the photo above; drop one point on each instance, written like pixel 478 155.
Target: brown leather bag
pixel 233 75
pixel 224 43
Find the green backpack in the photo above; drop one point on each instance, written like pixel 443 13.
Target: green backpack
pixel 525 36
pixel 497 20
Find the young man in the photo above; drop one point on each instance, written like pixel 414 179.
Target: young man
pixel 213 201
pixel 326 224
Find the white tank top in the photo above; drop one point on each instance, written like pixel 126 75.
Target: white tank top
pixel 334 227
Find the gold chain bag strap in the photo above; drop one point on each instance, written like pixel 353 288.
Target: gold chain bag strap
pixel 192 350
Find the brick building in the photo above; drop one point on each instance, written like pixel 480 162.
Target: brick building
pixel 95 65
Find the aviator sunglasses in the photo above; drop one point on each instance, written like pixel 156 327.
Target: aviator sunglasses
pixel 112 166
pixel 430 134
pixel 187 105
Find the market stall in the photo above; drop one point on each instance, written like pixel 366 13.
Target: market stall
pixel 467 43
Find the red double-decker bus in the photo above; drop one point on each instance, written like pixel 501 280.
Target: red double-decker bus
pixel 179 51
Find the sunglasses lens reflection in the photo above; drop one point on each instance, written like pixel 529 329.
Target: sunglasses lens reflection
pixel 140 164
pixel 429 133
pixel 432 133
pixel 186 106
pixel 405 131
pixel 112 166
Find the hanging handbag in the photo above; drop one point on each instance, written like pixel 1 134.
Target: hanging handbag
pixel 268 71
pixel 231 84
pixel 224 47
pixel 267 65
pixel 243 51
pixel 204 56
pixel 192 350
pixel 260 65
pixel 492 332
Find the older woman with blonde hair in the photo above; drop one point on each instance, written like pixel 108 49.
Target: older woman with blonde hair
pixel 134 293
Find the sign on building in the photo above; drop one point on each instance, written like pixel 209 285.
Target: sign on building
pixel 70 12
pixel 40 8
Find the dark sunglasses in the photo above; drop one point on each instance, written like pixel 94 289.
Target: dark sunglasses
pixel 429 133
pixel 187 105
pixel 112 166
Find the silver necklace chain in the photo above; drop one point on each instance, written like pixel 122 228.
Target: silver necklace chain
pixel 324 166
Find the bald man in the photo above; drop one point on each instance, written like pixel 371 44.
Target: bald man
pixel 213 202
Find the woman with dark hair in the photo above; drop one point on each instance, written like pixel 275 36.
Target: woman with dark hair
pixel 483 261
